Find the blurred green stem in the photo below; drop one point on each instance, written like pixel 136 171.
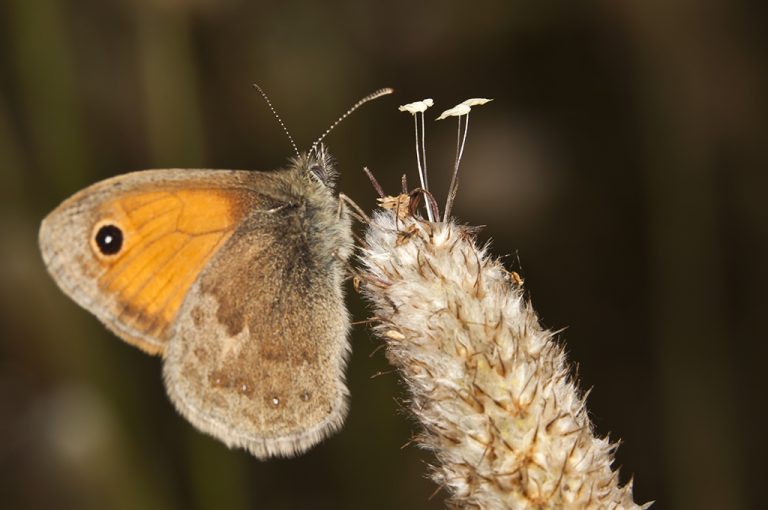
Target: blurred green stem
pixel 171 88
pixel 43 58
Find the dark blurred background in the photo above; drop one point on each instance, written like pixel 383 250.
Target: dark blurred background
pixel 621 170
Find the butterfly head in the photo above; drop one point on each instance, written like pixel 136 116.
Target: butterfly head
pixel 318 165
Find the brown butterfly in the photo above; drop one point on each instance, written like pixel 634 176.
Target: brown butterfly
pixel 234 277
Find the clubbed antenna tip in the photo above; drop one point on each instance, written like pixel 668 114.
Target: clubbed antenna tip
pixel 370 97
pixel 279 120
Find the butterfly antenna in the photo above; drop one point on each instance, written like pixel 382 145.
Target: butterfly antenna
pixel 369 97
pixel 279 120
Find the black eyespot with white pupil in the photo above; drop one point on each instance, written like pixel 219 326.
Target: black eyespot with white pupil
pixel 109 239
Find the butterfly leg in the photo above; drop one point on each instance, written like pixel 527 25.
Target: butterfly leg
pixel 358 211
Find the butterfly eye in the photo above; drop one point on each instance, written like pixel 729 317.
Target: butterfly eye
pixel 319 172
pixel 109 239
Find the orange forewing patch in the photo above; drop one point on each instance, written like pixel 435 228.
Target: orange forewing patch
pixel 168 238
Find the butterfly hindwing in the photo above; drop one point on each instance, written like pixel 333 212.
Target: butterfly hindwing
pixel 257 360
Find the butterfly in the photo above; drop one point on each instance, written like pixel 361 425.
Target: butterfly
pixel 234 278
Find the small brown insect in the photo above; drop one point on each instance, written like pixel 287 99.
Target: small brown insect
pixel 234 277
